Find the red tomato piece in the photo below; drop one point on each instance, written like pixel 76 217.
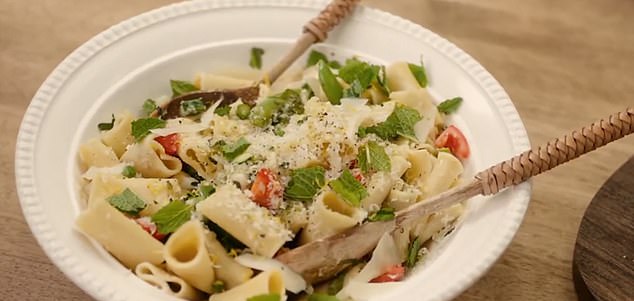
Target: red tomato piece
pixel 150 227
pixel 265 187
pixel 170 143
pixel 358 175
pixel 453 139
pixel 393 273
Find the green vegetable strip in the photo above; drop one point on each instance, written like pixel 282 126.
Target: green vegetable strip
pixel 419 73
pixel 329 84
pixel 450 105
pixel 412 253
pixel 256 58
pixel 106 126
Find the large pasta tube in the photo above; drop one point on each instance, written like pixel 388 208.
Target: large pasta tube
pixel 194 150
pixel 120 235
pixel 186 255
pixel 251 224
pixel 270 282
pixel 330 215
pixel 120 136
pixel 422 162
pixel 150 159
pixel 379 186
pixel 444 174
pixel 166 282
pixel 226 268
pixel 94 153
pixel 209 81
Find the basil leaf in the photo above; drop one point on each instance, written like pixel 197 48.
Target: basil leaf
pixel 256 58
pixel 400 123
pixel 180 87
pixel 171 216
pixel 192 107
pixel 106 126
pixel 149 106
pixel 127 202
pixel 231 151
pixel 265 297
pixel 450 105
pixel 412 253
pixel 372 158
pixel 383 215
pixel 141 127
pixel 305 183
pixel 329 83
pixel 322 297
pixel 419 73
pixel 350 190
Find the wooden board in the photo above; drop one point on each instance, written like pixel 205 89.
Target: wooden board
pixel 604 253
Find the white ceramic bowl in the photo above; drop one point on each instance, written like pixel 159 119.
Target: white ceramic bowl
pixel 124 65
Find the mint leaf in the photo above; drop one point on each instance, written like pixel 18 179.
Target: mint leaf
pixel 231 151
pixel 218 286
pixel 412 253
pixel 305 183
pixel 419 73
pixel 314 57
pixel 351 190
pixel 192 107
pixel 106 126
pixel 127 202
pixel 329 83
pixel 149 106
pixel 384 214
pixel 128 171
pixel 172 216
pixel 224 238
pixel 265 297
pixel 450 105
pixel 400 123
pixel 180 87
pixel 322 297
pixel 256 58
pixel 141 127
pixel 372 158
pixel 336 284
pixel 359 74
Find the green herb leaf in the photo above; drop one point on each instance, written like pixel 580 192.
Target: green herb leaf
pixel 322 297
pixel 172 216
pixel 192 172
pixel 106 126
pixel 256 58
pixel 450 105
pixel 314 57
pixel 128 171
pixel 419 73
pixel 226 240
pixel 359 74
pixel 192 107
pixel 305 183
pixel 329 83
pixel 231 151
pixel 218 287
pixel 277 109
pixel 384 214
pixel 127 202
pixel 149 106
pixel 372 158
pixel 412 253
pixel 206 189
pixel 141 127
pixel 265 297
pixel 400 123
pixel 222 110
pixel 180 87
pixel 336 284
pixel 351 190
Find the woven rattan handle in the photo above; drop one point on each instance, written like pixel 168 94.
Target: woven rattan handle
pixel 316 30
pixel 557 151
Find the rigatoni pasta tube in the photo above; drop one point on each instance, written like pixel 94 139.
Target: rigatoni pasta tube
pixel 120 136
pixel 251 224
pixel 149 158
pixel 270 282
pixel 120 235
pixel 444 174
pixel 186 255
pixel 330 215
pixel 94 153
pixel 166 282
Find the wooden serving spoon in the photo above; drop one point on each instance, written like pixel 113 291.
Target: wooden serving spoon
pixel 321 260
pixel 316 30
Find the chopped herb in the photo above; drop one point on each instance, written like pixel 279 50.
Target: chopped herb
pixel 265 297
pixel 128 171
pixel 243 110
pixel 329 83
pixel 359 74
pixel 400 123
pixel 218 287
pixel 127 202
pixel 322 297
pixel 381 81
pixel 277 109
pixel 419 73
pixel 372 158
pixel 106 126
pixel 149 106
pixel 314 57
pixel 444 150
pixel 256 58
pixel 450 105
pixel 305 183
pixel 225 239
pixel 308 89
pixel 383 215
pixel 141 127
pixel 192 107
pixel 231 151
pixel 172 216
pixel 412 253
pixel 180 87
pixel 278 131
pixel 192 172
pixel 223 110
pixel 334 64
pixel 355 89
pixel 351 190
pixel 206 189
pixel 336 284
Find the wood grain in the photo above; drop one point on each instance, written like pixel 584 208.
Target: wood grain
pixel 603 258
pixel 564 63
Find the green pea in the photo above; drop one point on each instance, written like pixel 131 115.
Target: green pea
pixel 243 110
pixel 129 172
pixel 262 114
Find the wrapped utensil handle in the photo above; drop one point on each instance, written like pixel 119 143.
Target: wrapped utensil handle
pixel 556 152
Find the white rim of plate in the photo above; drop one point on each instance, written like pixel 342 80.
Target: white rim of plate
pixel 31 122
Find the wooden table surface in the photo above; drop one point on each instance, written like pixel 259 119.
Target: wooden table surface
pixel 564 63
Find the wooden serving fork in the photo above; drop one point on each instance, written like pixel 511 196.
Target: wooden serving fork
pixel 320 260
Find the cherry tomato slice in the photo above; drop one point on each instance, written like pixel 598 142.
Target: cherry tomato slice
pixel 265 187
pixel 150 227
pixel 170 143
pixel 453 139
pixel 393 273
